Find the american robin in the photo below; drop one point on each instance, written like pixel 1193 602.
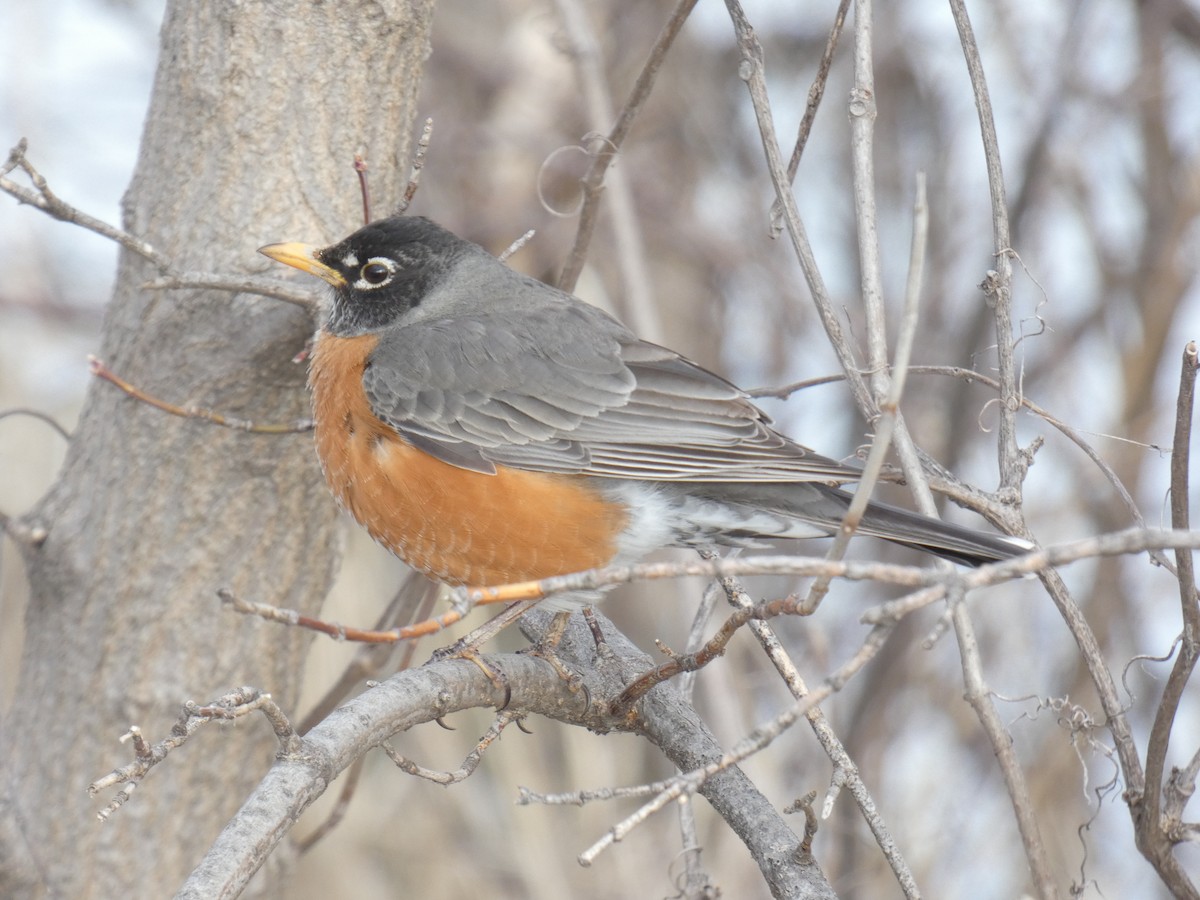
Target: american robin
pixel 488 428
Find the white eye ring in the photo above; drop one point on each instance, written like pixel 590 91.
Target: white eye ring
pixel 375 273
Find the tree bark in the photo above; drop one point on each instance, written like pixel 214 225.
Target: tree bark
pixel 256 113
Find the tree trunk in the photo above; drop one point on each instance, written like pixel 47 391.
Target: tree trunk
pixel 256 114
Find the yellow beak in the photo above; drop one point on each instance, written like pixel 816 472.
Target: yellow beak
pixel 303 257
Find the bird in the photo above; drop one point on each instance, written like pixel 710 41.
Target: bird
pixel 488 428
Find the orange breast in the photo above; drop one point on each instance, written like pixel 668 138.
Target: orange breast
pixel 458 526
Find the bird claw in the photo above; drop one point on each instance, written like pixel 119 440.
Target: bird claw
pixel 494 673
pixel 545 650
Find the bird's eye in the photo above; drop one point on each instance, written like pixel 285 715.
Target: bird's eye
pixel 376 272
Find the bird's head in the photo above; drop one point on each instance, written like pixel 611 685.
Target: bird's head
pixel 379 273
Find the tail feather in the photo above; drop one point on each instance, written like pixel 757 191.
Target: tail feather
pixel 806 509
pixel 953 542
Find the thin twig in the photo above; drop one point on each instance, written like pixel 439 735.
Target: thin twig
pixel 695 881
pixel 1133 540
pixel 979 697
pixel 894 387
pixel 805 805
pixel 695 639
pixel 527 797
pixel 845 770
pixel 815 93
pixel 240 284
pixel 516 245
pixel 418 163
pixel 233 705
pixel 371 658
pixel 100 370
pixel 998 283
pixel 1153 828
pixel 342 632
pixel 48 202
pixel 753 743
pixel 360 168
pixel 970 375
pixel 637 300
pixel 1117 543
pixel 1013 464
pixel 710 650
pixel 977 693
pixel 593 180
pixel 751 71
pixel 782 392
pixel 40 416
pixel 863 111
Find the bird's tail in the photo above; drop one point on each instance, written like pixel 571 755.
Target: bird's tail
pixel 806 509
pixel 953 542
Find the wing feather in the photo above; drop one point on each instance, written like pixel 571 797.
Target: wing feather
pixel 567 389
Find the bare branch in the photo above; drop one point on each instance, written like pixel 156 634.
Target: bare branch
pixel 100 370
pixel 516 245
pixel 300 777
pixel 815 93
pixel 893 387
pixel 41 417
pixel 1117 543
pixel 48 202
pixel 971 375
pixel 418 163
pixel 638 303
pixel 360 168
pixel 240 284
pixel 234 705
pixel 706 653
pixel 980 698
pixel 998 283
pixel 341 632
pixel 593 180
pixel 1154 831
pixel 862 155
pixel 751 70
pixel 846 773
pixel 527 797
pixel 370 659
pixel 753 743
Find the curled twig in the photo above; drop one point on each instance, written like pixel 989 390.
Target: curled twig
pixel 593 181
pixel 40 416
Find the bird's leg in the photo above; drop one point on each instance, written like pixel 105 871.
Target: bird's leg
pixel 593 624
pixel 547 646
pixel 554 633
pixel 467 647
pixel 493 672
pixel 488 629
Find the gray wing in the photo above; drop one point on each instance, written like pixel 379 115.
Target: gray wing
pixel 567 389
